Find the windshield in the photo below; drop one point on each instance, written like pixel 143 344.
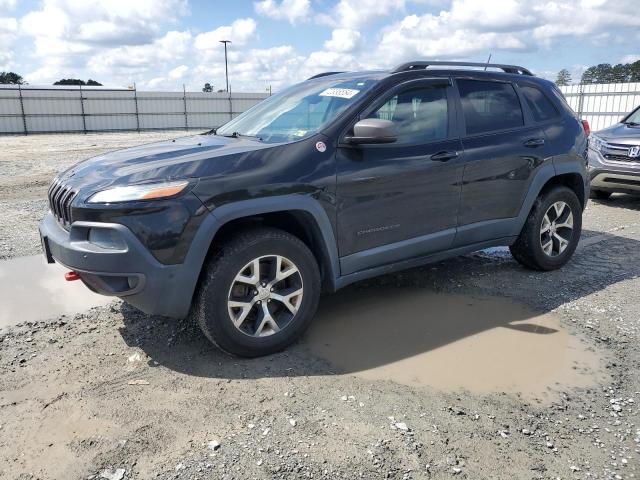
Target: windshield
pixel 634 118
pixel 300 110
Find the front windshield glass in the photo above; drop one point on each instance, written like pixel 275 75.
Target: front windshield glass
pixel 300 110
pixel 634 118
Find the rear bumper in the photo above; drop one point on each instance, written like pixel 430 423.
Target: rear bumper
pixel 613 176
pixel 122 268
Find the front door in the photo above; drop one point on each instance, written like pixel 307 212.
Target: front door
pixel 400 200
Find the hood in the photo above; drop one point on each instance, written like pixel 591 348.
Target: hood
pixel 184 157
pixel 621 133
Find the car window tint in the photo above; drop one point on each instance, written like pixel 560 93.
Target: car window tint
pixel 420 114
pixel 489 106
pixel 540 106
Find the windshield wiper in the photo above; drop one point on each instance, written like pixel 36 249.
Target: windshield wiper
pixel 632 124
pixel 238 135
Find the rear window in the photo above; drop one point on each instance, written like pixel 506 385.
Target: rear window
pixel 489 106
pixel 541 107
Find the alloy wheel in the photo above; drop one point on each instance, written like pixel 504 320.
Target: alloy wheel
pixel 556 230
pixel 265 295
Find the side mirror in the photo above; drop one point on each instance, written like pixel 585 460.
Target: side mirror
pixel 373 130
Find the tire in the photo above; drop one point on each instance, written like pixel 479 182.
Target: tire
pixel 599 194
pixel 230 277
pixel 528 249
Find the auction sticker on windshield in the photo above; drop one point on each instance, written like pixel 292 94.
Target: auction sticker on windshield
pixel 339 92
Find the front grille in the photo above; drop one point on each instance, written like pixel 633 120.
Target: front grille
pixel 60 198
pixel 618 152
pixel 621 158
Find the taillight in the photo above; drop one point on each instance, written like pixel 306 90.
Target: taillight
pixel 586 127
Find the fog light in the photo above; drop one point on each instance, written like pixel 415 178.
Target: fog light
pixel 107 238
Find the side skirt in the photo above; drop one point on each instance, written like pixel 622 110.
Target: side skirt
pixel 345 280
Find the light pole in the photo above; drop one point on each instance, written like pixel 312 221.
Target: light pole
pixel 226 68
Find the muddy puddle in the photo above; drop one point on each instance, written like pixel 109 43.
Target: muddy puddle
pixel 450 342
pixel 32 290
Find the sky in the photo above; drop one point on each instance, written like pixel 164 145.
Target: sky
pixel 165 44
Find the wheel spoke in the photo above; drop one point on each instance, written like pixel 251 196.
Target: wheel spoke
pixel 562 243
pixel 267 322
pixel 252 279
pixel 548 246
pixel 290 299
pixel 283 269
pixel 546 224
pixel 245 309
pixel 567 222
pixel 559 208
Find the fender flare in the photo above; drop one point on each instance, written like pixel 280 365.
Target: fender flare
pixel 546 173
pixel 194 260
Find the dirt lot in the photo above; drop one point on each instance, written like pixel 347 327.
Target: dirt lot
pixel 471 368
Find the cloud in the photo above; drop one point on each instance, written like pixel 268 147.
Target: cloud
pixel 492 15
pixel 239 32
pixel 117 22
pixel 92 37
pixel 8 34
pixel 178 72
pixel 586 18
pixel 122 41
pixel 141 58
pixel 6 5
pixel 354 14
pixel 343 40
pixel 8 30
pixel 292 10
pixel 630 58
pixel 429 36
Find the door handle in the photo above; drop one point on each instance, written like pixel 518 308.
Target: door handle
pixel 534 142
pixel 444 156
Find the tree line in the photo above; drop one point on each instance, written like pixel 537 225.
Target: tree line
pixel 12 78
pixel 603 73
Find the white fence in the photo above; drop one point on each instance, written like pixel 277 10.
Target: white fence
pixel 92 109
pixel 603 104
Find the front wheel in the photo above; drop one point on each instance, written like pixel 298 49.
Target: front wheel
pixel 259 293
pixel 552 231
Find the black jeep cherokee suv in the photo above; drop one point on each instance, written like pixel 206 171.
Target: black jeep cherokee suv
pixel 339 178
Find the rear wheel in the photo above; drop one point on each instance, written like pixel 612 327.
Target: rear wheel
pixel 599 194
pixel 552 231
pixel 259 293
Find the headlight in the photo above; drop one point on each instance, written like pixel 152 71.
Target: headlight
pixel 147 191
pixel 596 143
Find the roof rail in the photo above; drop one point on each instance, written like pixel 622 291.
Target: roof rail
pixel 426 64
pixel 323 74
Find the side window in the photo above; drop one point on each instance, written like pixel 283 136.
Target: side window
pixel 419 113
pixel 489 106
pixel 541 107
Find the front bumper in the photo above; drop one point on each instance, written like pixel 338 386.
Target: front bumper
pixel 613 176
pixel 126 269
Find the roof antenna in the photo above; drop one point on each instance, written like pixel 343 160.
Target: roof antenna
pixel 488 60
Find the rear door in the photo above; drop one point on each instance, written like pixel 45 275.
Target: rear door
pixel 502 150
pixel 403 191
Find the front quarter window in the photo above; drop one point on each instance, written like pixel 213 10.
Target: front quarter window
pixel 300 110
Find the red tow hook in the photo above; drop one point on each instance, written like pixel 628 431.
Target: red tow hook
pixel 71 276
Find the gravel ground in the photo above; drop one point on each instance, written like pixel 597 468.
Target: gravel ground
pixel 113 393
